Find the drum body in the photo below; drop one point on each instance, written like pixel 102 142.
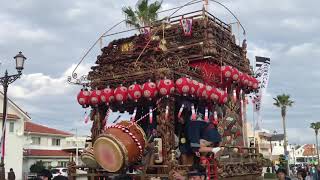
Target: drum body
pixel 87 157
pixel 120 145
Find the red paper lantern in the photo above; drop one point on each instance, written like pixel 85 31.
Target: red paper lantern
pixel 149 90
pixel 194 86
pixel 255 83
pixel 121 93
pixel 107 95
pixel 84 98
pixel 165 87
pixel 201 89
pixel 245 79
pixel 95 97
pixel 134 92
pixel 183 86
pixel 212 93
pixel 223 96
pixel 235 75
pixel 250 81
pixel 226 71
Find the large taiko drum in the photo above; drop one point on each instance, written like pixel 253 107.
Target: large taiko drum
pixel 88 159
pixel 120 145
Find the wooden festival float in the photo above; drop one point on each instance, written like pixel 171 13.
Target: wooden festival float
pixel 192 57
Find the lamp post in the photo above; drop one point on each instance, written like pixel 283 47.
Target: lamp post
pixel 5 81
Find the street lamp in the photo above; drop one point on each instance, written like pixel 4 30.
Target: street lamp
pixel 5 81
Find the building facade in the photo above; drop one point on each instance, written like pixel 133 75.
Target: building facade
pixel 27 142
pixel 14 141
pixel 45 144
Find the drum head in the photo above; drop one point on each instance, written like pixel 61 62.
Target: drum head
pixel 89 161
pixel 108 153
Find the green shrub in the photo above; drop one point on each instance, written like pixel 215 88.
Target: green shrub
pixel 270 175
pixel 37 167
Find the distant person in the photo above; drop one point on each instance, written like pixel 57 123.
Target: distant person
pixel 11 175
pixel 282 174
pixel 302 174
pixel 45 175
pixel 60 178
pixel 313 172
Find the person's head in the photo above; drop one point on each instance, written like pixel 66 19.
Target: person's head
pixel 197 173
pixel 45 175
pixel 301 174
pixel 281 174
pixel 11 170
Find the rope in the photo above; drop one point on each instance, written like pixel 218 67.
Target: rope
pixel 141 118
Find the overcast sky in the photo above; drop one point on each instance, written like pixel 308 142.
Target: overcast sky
pixel 53 35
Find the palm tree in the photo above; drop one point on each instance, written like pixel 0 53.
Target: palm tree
pixel 283 101
pixel 143 15
pixel 316 127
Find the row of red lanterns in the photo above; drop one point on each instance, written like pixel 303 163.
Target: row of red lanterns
pixel 231 74
pixel 165 87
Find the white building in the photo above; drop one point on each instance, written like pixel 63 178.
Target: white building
pixel 14 141
pixel 27 142
pixel 45 144
pixel 304 154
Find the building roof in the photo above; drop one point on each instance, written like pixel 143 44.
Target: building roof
pixel 16 106
pixel 46 153
pixel 309 150
pixel 33 128
pixel 10 117
pixel 277 137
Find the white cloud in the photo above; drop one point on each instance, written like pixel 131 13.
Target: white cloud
pixel 39 85
pixel 17 31
pixel 305 49
pixel 300 24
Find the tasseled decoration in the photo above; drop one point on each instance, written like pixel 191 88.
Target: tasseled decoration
pixel 215 118
pixel 234 95
pixel 86 117
pixel 133 117
pixel 150 115
pixel 167 112
pixel 193 111
pixel 180 111
pixel 106 118
pixel 206 115
pixel 241 106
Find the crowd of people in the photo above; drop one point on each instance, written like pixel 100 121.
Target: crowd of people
pixel 308 172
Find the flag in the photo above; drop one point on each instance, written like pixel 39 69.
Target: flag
pixel 186 24
pixel 262 74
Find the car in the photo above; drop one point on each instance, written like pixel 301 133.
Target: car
pixel 59 171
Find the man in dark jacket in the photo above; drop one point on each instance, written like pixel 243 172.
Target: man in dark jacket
pixel 11 175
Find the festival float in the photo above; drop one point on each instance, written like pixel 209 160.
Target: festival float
pixel 181 61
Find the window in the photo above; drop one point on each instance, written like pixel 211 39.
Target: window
pixel 63 164
pixel 11 127
pixel 35 140
pixel 55 142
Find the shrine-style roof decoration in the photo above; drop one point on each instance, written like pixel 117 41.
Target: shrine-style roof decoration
pixel 211 42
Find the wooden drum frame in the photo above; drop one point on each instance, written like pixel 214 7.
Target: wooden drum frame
pixel 120 145
pixel 87 157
